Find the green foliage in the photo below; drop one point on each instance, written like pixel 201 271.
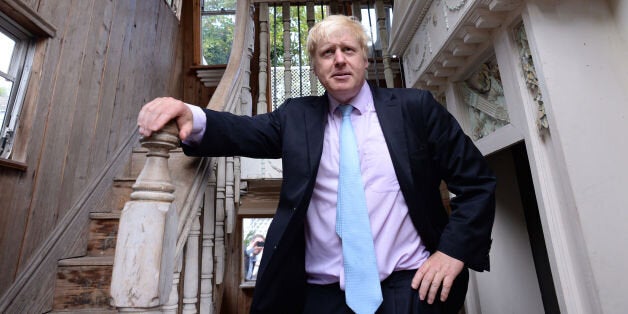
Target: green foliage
pixel 216 5
pixel 4 91
pixel 217 31
pixel 217 38
pixel 298 34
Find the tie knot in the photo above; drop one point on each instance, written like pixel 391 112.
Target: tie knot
pixel 345 110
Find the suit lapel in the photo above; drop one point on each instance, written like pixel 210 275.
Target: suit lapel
pixel 394 126
pixel 314 119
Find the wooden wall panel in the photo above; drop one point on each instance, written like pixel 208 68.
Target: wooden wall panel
pixel 60 118
pixel 16 206
pixel 87 103
pixel 88 82
pixel 119 37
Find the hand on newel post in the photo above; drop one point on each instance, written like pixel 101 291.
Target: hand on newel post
pixel 145 249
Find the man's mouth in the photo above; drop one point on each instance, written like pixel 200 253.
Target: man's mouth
pixel 341 74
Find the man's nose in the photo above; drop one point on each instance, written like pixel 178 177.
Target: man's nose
pixel 339 57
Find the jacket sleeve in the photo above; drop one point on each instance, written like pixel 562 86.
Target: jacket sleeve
pixel 227 134
pixel 467 235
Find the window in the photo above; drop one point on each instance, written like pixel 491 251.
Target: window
pixel 217 23
pixel 16 52
pixel 253 238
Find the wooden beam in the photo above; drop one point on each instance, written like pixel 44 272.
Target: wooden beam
pixel 27 18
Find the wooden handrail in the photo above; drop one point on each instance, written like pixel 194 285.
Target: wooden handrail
pixel 230 83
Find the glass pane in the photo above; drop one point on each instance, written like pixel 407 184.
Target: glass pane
pixel 217 5
pixel 217 38
pixel 7 45
pixel 253 238
pixel 483 94
pixel 5 91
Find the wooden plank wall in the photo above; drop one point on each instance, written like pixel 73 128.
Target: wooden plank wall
pixel 109 57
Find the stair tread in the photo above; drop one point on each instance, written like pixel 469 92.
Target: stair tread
pixel 106 215
pixel 85 311
pixel 106 260
pixel 124 181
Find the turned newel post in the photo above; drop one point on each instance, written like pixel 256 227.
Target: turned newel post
pixel 154 182
pixel 145 250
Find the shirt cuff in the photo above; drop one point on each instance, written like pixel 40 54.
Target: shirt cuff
pixel 198 126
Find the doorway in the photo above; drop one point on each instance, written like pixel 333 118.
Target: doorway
pixel 520 280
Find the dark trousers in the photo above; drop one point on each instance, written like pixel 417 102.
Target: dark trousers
pixel 399 297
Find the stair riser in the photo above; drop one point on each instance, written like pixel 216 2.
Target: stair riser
pixel 83 287
pixel 103 233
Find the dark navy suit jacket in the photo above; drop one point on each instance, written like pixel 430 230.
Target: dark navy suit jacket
pixel 426 145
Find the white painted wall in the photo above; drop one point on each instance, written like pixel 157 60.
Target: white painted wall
pixel 580 56
pixel 511 286
pixel 252 168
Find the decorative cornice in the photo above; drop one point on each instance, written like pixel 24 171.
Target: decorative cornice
pixel 408 16
pixel 451 34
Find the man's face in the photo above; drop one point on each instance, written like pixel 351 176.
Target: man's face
pixel 340 66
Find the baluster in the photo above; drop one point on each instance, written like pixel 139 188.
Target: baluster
pixel 220 220
pixel 172 306
pixel 262 105
pixel 190 283
pixel 310 23
pixel 207 261
pixel 334 7
pixel 229 205
pixel 246 99
pixel 356 8
pixel 287 57
pixel 237 180
pixel 383 37
pixel 145 249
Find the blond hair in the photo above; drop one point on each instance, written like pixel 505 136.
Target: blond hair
pixel 336 25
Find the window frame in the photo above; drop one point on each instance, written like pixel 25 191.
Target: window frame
pixel 16 15
pixel 198 57
pixel 18 73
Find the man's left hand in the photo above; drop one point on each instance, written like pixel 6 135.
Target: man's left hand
pixel 439 269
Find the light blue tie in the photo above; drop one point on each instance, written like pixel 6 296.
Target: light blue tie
pixel 362 286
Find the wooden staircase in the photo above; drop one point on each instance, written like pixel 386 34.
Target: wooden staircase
pixel 82 284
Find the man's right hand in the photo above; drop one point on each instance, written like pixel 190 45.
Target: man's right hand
pixel 155 114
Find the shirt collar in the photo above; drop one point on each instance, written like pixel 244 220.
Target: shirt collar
pixel 360 101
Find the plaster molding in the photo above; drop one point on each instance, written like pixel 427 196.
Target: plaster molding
pixel 451 34
pixel 531 79
pixel 408 16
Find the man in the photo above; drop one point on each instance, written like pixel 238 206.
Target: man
pixel 252 254
pixel 407 144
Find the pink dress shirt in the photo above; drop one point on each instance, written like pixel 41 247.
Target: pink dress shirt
pixel 397 243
